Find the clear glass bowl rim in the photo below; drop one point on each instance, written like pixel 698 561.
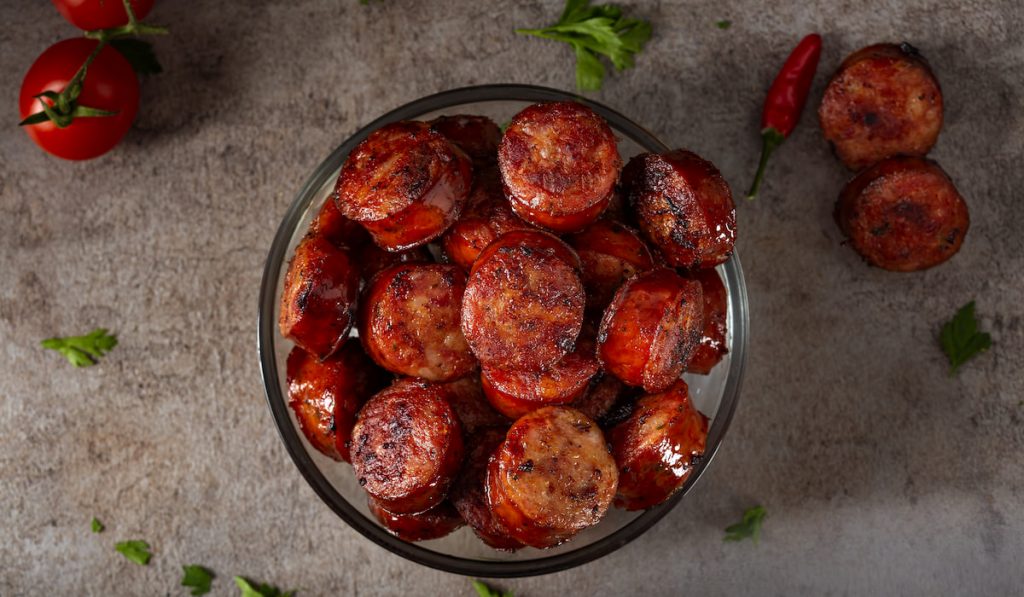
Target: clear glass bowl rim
pixel 266 329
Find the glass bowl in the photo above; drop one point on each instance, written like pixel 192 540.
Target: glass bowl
pixel 461 552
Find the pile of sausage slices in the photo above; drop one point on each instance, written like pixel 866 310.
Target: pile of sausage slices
pixel 529 377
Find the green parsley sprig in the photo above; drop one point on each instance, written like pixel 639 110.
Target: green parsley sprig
pixel 249 588
pixel 197 578
pixel 83 351
pixel 961 340
pixel 485 591
pixel 750 526
pixel 96 525
pixel 595 31
pixel 136 551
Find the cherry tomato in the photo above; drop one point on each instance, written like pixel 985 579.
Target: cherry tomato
pixel 110 84
pixel 100 14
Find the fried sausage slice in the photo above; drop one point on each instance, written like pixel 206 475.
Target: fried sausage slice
pixel 409 322
pixel 469 493
pixel 883 101
pixel 712 346
pixel 604 392
pixel 611 253
pixel 903 214
pixel 486 217
pixel 651 328
pixel 318 302
pixel 552 477
pixel 477 136
pixel 373 259
pixel 560 163
pixel 657 447
pixel 336 228
pixel 683 206
pixel 432 524
pixel 405 183
pixel 467 398
pixel 407 446
pixel 325 395
pixel 523 306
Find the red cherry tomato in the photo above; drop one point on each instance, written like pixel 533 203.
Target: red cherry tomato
pixel 100 14
pixel 110 84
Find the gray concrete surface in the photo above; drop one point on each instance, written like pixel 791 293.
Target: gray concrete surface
pixel 881 475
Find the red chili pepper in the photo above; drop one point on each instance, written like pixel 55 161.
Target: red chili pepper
pixel 786 99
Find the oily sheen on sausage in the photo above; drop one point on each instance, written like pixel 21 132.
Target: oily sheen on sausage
pixel 712 346
pixel 469 493
pixel 611 253
pixel 423 526
pixel 486 217
pixel 477 136
pixel 336 228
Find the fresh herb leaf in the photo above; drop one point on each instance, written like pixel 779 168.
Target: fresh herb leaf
pixel 961 340
pixel 723 24
pixel 136 551
pixel 595 31
pixel 250 589
pixel 485 591
pixel 750 527
pixel 97 526
pixel 139 54
pixel 197 578
pixel 83 351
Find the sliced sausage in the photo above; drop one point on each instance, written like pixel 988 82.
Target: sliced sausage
pixel 423 526
pixel 405 183
pixel 601 396
pixel 325 395
pixel 712 346
pixel 407 446
pixel 560 163
pixel 611 253
pixel 467 398
pixel 552 477
pixel 336 228
pixel 486 217
pixel 884 100
pixel 651 328
pixel 469 493
pixel 409 322
pixel 373 259
pixel 523 306
pixel 477 136
pixel 903 214
pixel 318 302
pixel 657 447
pixel 683 206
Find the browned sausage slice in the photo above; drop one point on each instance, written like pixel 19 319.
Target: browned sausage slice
pixel 560 163
pixel 319 297
pixel 467 398
pixel 486 217
pixel 651 328
pixel 423 526
pixel 657 447
pixel 523 306
pixel 903 214
pixel 552 477
pixel 604 392
pixel 405 183
pixel 883 101
pixel 407 446
pixel 478 136
pixel 373 259
pixel 712 346
pixel 683 206
pixel 611 253
pixel 336 228
pixel 469 493
pixel 409 322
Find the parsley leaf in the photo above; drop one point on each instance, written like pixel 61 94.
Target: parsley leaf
pixel 753 518
pixel 136 551
pixel 723 24
pixel 83 351
pixel 961 340
pixel 97 526
pixel 485 591
pixel 139 54
pixel 594 31
pixel 197 578
pixel 250 589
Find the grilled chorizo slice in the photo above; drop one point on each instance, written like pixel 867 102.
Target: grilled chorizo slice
pixel 657 447
pixel 523 306
pixel 405 183
pixel 477 136
pixel 469 493
pixel 611 253
pixel 883 101
pixel 604 392
pixel 321 288
pixel 486 217
pixel 325 395
pixel 560 163
pixel 373 259
pixel 409 322
pixel 467 398
pixel 336 228
pixel 903 214
pixel 552 477
pixel 407 446
pixel 683 206
pixel 651 328
pixel 423 526
pixel 712 346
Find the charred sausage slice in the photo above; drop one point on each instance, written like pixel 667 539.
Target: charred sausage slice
pixel 560 163
pixel 405 183
pixel 486 217
pixel 657 447
pixel 407 446
pixel 611 253
pixel 432 524
pixel 477 136
pixel 712 346
pixel 469 493
pixel 467 398
pixel 903 214
pixel 604 392
pixel 336 228
pixel 883 101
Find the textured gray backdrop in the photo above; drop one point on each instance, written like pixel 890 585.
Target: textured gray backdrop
pixel 881 475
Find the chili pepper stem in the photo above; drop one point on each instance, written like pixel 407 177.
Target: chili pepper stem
pixel 770 139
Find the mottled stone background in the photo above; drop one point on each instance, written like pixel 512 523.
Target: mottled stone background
pixel 881 475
